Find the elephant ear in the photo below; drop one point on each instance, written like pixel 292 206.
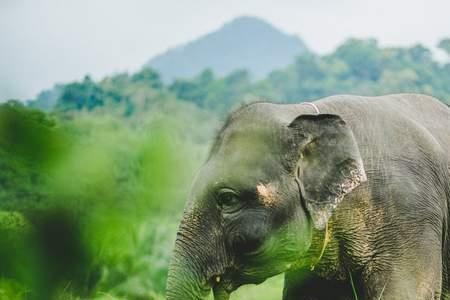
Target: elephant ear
pixel 329 164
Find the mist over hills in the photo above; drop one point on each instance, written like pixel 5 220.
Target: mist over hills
pixel 244 43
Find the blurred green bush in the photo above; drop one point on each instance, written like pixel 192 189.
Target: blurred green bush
pixel 90 201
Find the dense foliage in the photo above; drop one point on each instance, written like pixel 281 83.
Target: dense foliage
pixel 95 195
pixel 91 190
pixel 356 67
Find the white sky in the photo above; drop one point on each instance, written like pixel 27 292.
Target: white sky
pixel 48 41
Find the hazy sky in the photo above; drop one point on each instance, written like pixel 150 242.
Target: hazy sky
pixel 47 41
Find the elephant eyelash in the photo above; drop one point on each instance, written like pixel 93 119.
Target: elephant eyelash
pixel 245 199
pixel 228 200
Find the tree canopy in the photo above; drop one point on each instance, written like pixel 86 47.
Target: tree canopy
pixel 355 67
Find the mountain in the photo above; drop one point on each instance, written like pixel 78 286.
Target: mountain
pixel 244 43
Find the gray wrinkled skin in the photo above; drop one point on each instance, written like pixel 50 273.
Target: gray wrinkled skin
pixel 374 171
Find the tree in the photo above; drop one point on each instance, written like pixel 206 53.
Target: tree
pixel 81 95
pixel 29 143
pixel 148 76
pixel 420 54
pixel 444 44
pixel 194 90
pixel 362 57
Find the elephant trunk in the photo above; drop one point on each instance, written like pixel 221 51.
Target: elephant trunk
pixel 198 260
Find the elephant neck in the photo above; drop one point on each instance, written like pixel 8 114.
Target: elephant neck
pixel 323 257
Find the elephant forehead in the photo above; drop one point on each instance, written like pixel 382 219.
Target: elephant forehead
pixel 249 163
pixel 244 172
pixel 250 133
pixel 250 148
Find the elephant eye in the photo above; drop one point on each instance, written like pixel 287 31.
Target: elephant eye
pixel 228 200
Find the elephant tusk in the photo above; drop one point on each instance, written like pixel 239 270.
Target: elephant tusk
pixel 326 239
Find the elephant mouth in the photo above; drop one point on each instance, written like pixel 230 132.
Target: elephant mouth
pixel 222 286
pixel 228 281
pixel 232 279
pixel 225 285
pixel 273 257
pixel 235 277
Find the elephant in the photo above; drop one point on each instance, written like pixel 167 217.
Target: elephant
pixel 346 195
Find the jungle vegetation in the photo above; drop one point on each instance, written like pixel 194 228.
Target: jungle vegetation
pixel 94 174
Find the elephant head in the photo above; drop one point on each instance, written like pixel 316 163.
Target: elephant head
pixel 271 179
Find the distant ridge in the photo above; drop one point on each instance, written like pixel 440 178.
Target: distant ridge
pixel 244 43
